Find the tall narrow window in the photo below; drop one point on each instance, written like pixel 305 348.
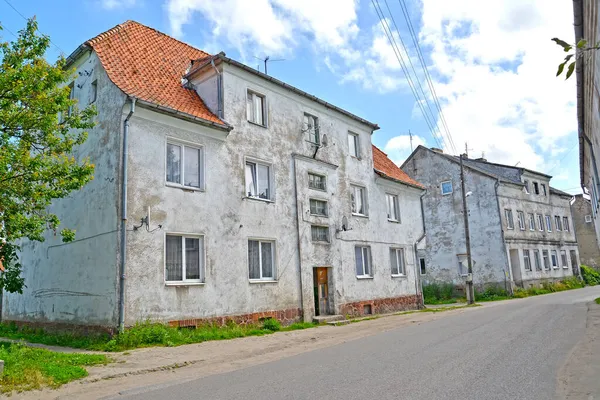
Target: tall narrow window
pixel 526 187
pixel 557 223
pixel 362 256
pixel 510 224
pixel 536 188
pixel 423 267
pixel 255 108
pixel 358 198
pixel 311 126
pixel 548 223
pixel 316 181
pixel 93 91
pixel 353 146
pixel 565 226
pixel 261 260
pixel 531 222
pixel 563 259
pixel 185 165
pixel 397 261
pixel 184 259
pixel 538 262
pixel 319 233
pixel 521 219
pixel 546 259
pixel 554 259
pixel 526 260
pixel 541 222
pixel 543 189
pixel 393 212
pixel 258 180
pixel 318 207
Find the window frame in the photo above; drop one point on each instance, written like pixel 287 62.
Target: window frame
pixel 94 91
pixel 526 183
pixel 71 97
pixel 310 206
pixel 201 164
pixel 324 177
pixel 588 219
pixel 400 257
pixel 527 260
pixel 369 258
pixel 565 226
pixel 543 187
pixel 554 257
pixel 201 260
pixel 548 219
pixel 546 259
pixel 271 180
pixel 563 259
pixel 260 241
pixel 396 207
pixel 356 145
pixel 541 222
pixel 312 236
pixel 531 221
pixel 538 260
pixel 364 200
pixel 314 131
pixel 442 188
pixel 557 223
pixel 510 222
pixel 536 188
pixel 254 94
pixel 422 266
pixel 521 220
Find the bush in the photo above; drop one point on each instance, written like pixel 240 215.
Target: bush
pixel 271 324
pixel 491 293
pixel 590 276
pixel 438 292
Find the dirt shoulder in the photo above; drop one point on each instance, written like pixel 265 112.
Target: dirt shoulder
pixel 137 370
pixel 579 376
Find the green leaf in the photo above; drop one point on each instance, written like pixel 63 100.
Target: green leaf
pixel 566 46
pixel 570 70
pixel 561 67
pixel 581 43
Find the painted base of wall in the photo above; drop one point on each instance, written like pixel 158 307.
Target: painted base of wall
pixel 539 282
pixel 286 317
pixel 381 306
pixel 61 327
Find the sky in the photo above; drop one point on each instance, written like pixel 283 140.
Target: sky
pixel 491 64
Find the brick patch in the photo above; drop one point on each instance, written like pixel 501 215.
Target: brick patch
pixel 286 317
pixel 381 306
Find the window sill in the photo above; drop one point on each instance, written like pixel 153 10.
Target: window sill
pixel 259 199
pixel 175 284
pixel 316 188
pixel 262 281
pixel 566 267
pixel 395 221
pixel 355 157
pixel 185 188
pixel 256 124
pixel 360 215
pixel 394 276
pixel 319 215
pixel 321 242
pixel 364 277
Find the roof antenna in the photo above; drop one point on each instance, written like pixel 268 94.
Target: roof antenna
pixel 266 60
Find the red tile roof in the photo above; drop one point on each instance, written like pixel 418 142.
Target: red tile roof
pixel 148 65
pixel 386 167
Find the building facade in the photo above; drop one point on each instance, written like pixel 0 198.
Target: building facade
pixel 589 253
pixel 520 228
pixel 241 197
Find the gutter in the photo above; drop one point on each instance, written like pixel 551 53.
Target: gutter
pixel 185 116
pixel 122 264
pixel 579 74
pixel 418 283
pixel 299 245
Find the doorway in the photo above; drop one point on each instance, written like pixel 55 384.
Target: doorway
pixel 574 263
pixel 321 289
pixel 515 263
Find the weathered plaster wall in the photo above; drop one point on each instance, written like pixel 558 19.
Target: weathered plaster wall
pixel 585 232
pixel 76 282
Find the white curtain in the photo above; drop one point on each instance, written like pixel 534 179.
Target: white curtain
pixel 394 258
pixel 358 200
pixel 254 259
pixel 249 107
pixel 359 261
pixel 173 163
pixel 251 180
pixel 267 259
pixel 258 110
pixel 192 258
pixel 174 262
pixel 191 169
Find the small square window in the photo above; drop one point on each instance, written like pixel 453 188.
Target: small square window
pixel 362 256
pixel 185 165
pixel 358 197
pixel 446 187
pixel 258 180
pixel 255 108
pixel 311 125
pixel 261 260
pixel 588 219
pixel 319 233
pixel 353 145
pixel 316 181
pixel 318 207
pixel 93 91
pixel 393 211
pixel 184 259
pixel 397 261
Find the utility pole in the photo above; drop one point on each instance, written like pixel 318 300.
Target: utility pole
pixel 470 291
pixel 410 135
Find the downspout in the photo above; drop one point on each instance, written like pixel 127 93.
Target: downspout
pixel 496 185
pixel 299 238
pixel 418 283
pixel 219 89
pixel 124 219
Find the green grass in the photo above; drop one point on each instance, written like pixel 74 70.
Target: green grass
pixel 149 334
pixel 27 368
pixel 439 293
pixel 597 300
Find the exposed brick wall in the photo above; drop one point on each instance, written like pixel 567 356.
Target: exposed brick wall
pixel 286 317
pixel 381 306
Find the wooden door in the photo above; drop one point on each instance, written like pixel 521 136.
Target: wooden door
pixel 322 286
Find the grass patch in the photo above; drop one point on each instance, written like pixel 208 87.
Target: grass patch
pixel 492 293
pixel 440 293
pixel 27 368
pixel 148 334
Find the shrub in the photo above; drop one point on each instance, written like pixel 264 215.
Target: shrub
pixel 491 293
pixel 572 283
pixel 590 276
pixel 271 324
pixel 438 292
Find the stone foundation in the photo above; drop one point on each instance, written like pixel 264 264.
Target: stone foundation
pixel 286 317
pixel 381 306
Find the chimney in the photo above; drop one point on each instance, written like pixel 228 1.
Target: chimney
pixel 437 150
pixel 481 159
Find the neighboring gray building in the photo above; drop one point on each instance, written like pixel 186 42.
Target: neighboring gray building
pixel 245 198
pixel 520 228
pixel 589 253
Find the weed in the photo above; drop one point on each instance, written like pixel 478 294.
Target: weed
pixel 439 293
pixel 491 293
pixel 271 324
pixel 590 276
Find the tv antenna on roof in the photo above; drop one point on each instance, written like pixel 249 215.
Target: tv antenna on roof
pixel 267 59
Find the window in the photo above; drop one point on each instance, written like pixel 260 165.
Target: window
pixel 184 259
pixel 546 259
pixel 543 189
pixel 531 222
pixel 319 233
pixel 541 223
pixel 422 264
pixel 554 259
pixel 397 260
pixel 393 212
pixel 536 188
pixel 446 187
pixel 185 165
pixel 557 223
pixel 588 219
pixel 538 262
pixel 362 256
pixel 353 145
pixel 359 200
pixel 258 180
pixel 311 125
pixel 318 207
pixel 526 187
pixel 510 224
pixel 317 181
pixel 548 223
pixel 255 108
pixel 563 259
pixel 521 219
pixel 261 260
pixel 566 224
pixel 526 260
pixel 93 91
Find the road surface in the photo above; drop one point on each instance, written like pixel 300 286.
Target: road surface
pixel 509 350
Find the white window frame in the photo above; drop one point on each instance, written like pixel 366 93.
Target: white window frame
pixel 398 254
pixel 260 260
pixel 554 259
pixel 317 240
pixel 324 177
pixel 315 213
pixel 314 135
pixel 251 114
pixel 508 216
pixel 558 223
pixel 563 259
pixel 395 207
pixel 546 260
pixel 201 255
pixel 531 221
pixel 257 162
pixel 565 225
pixel 364 258
pixel 354 148
pixel 521 220
pixel 201 163
pixel 364 198
pixel 442 188
pixel 527 260
pixel 548 223
pixel 541 222
pixel 588 219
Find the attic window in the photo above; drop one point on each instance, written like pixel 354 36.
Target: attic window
pixel 536 188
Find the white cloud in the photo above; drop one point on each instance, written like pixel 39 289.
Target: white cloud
pixel 398 148
pixel 117 4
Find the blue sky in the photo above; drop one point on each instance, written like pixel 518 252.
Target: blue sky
pixel 492 63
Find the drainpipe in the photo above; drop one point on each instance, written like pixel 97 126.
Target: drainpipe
pixel 124 219
pixel 219 89
pixel 418 283
pixel 496 185
pixel 299 238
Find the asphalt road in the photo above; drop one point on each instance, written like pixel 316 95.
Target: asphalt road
pixel 511 350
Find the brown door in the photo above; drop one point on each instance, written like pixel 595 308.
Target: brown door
pixel 322 291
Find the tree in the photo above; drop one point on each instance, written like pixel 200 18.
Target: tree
pixel 40 127
pixel 581 49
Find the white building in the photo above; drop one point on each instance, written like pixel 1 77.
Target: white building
pixel 242 197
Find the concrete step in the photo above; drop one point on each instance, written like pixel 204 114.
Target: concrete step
pixel 340 322
pixel 321 319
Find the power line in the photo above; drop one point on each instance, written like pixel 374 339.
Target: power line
pixel 563 157
pixel 8 30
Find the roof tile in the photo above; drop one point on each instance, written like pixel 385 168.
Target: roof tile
pixel 386 167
